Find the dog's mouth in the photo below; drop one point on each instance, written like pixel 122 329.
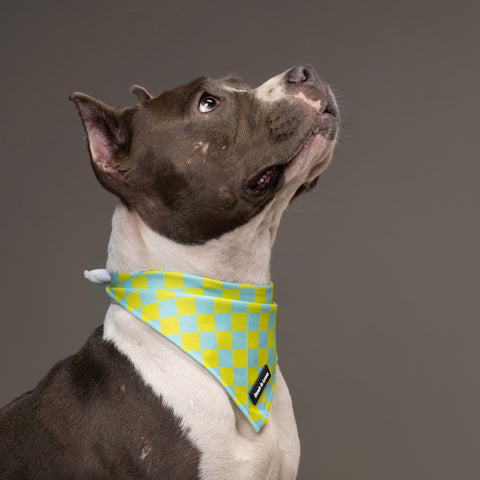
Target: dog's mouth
pixel 268 177
pixel 262 181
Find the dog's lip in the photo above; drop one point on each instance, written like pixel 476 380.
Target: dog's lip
pixel 273 171
pixel 329 113
pixel 330 107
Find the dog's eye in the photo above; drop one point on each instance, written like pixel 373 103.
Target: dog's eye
pixel 208 103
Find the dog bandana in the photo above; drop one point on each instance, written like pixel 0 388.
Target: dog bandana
pixel 226 327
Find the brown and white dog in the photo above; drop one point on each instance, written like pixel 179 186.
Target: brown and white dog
pixel 203 173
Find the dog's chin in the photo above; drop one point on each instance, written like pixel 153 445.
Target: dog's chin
pixel 312 158
pixel 314 173
pixel 305 187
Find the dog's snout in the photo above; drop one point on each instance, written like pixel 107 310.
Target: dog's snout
pixel 302 74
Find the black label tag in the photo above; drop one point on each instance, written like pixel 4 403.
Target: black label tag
pixel 260 384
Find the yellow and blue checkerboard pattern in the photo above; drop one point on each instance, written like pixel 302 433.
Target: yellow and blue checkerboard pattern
pixel 228 328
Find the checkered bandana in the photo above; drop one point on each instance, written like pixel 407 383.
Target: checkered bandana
pixel 226 327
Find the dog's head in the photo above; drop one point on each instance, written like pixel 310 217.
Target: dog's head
pixel 203 159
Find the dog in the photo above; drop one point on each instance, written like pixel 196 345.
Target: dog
pixel 203 173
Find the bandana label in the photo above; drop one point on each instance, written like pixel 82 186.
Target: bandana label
pixel 260 384
pixel 228 328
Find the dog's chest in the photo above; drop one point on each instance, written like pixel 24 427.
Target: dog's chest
pixel 229 448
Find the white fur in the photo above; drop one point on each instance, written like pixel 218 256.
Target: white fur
pixel 272 90
pixel 315 104
pixel 230 449
pixel 229 88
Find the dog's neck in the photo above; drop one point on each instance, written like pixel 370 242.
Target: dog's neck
pixel 239 256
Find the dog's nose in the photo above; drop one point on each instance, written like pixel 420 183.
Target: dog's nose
pixel 304 74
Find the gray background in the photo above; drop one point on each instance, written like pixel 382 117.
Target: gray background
pixel 376 271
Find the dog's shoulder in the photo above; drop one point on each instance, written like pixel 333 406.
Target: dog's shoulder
pixel 93 417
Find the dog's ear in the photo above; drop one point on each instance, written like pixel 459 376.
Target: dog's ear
pixel 108 135
pixel 142 93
